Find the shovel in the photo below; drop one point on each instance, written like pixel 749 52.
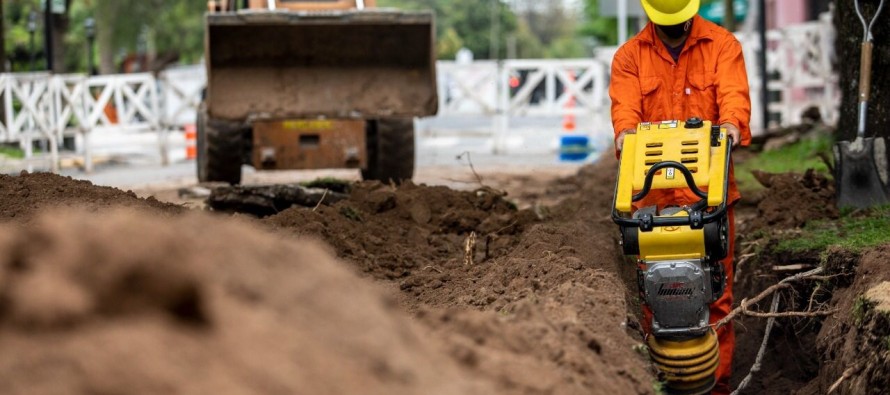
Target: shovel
pixel 861 165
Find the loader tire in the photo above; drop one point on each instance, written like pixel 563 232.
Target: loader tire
pixel 390 145
pixel 220 146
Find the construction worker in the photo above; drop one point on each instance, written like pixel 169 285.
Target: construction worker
pixel 682 66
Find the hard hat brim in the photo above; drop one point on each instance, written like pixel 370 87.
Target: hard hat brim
pixel 670 19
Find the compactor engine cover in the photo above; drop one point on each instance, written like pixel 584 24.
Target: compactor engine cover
pixel 678 293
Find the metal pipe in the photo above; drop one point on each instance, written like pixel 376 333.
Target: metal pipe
pixel 622 21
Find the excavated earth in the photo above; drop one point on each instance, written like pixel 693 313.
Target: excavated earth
pixel 845 352
pixel 396 290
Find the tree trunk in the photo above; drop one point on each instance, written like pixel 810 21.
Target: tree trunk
pixel 106 12
pixel 2 41
pixel 60 28
pixel 849 44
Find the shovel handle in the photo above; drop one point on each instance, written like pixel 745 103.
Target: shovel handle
pixel 865 72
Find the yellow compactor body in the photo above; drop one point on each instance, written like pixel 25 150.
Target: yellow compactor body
pixel 678 248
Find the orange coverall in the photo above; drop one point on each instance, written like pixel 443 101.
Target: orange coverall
pixel 708 81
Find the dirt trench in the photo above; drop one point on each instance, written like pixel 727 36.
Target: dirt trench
pixel 538 306
pixel 410 289
pixel 847 351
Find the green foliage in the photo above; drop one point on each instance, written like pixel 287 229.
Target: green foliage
pixel 566 47
pixel 162 26
pixel 528 45
pixel 537 28
pixel 796 157
pixel 603 30
pixel 449 43
pixel 17 45
pixel 854 231
pixel 471 21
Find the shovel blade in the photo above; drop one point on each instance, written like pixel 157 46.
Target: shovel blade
pixel 861 172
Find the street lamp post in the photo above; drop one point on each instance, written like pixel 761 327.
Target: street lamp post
pixel 90 27
pixel 32 28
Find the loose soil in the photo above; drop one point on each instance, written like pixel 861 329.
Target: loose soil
pixel 220 305
pixel 808 355
pixel 413 289
pixel 25 196
pixel 128 303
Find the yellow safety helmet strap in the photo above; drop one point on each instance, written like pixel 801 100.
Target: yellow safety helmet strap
pixel 670 12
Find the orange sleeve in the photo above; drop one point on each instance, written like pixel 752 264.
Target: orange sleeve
pixel 733 96
pixel 624 90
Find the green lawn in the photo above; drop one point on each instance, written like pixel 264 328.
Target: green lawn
pixel 11 152
pixel 855 231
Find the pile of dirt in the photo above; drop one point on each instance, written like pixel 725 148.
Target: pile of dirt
pixel 541 306
pixel 394 232
pixel 24 196
pixel 793 199
pixel 129 303
pixel 505 301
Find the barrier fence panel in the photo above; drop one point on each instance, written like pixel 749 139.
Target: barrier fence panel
pixel 181 92
pixel 574 88
pixel 28 111
pixel 467 88
pixel 799 71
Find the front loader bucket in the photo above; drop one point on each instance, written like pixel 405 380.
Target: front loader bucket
pixel 338 64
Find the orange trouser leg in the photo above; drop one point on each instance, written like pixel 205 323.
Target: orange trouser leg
pixel 719 309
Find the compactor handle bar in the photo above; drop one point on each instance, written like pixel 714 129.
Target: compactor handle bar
pixel 696 218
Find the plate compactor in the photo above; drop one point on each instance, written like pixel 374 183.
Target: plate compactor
pixel 679 248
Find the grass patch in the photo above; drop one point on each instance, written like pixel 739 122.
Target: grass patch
pixel 861 308
pixel 797 157
pixel 854 231
pixel 11 152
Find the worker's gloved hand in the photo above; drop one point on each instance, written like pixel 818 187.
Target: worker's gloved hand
pixel 734 132
pixel 619 141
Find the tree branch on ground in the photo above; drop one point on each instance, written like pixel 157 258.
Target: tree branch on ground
pixel 812 275
pixel 745 303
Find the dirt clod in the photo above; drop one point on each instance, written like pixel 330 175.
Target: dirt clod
pixel 794 199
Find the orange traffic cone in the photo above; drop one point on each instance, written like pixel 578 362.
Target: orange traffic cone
pixel 191 141
pixel 568 120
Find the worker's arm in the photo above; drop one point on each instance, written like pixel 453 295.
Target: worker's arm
pixel 627 101
pixel 733 98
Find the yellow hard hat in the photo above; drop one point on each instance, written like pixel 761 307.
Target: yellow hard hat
pixel 670 12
